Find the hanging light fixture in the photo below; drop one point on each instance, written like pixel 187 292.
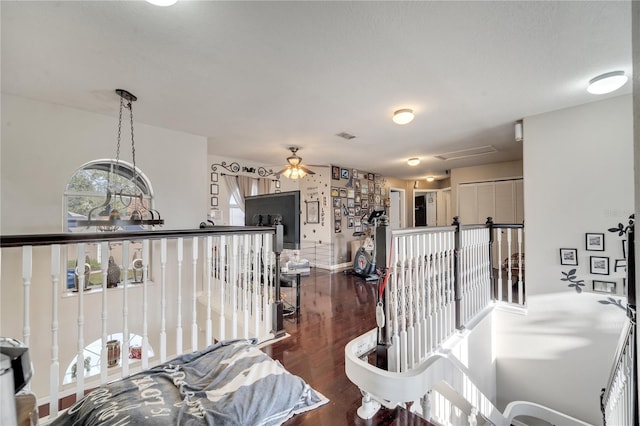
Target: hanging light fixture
pixel 124 203
pixel 295 170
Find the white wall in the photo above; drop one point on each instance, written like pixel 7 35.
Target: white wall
pixel 44 144
pixel 578 176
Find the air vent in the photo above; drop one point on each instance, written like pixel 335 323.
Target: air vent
pixel 465 153
pixel 345 135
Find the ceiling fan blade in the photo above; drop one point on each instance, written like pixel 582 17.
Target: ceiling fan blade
pixel 308 171
pixel 281 171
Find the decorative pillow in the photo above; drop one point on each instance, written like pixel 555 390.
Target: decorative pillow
pixel 229 383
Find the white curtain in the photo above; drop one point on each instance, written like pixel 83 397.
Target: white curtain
pixel 242 186
pixel 234 190
pixel 264 186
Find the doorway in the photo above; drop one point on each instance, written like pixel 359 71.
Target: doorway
pixel 396 208
pixel 425 208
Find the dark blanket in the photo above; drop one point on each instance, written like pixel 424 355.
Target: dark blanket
pixel 230 383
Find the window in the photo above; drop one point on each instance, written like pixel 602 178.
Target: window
pixel 85 195
pixel 87 189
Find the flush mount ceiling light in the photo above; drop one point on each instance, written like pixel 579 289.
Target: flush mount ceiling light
pixel 403 116
pixel 413 161
pixel 430 179
pixel 607 83
pixel 162 2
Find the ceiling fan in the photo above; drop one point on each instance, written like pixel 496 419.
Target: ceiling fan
pixel 295 169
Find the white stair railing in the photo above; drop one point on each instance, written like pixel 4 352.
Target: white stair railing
pixel 93 312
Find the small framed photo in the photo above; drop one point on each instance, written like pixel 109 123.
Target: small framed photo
pixel 354 173
pixel 608 287
pixel 337 226
pixel 335 172
pixel 599 265
pixel 594 242
pixel 370 176
pixel 350 223
pixel 214 189
pixel 335 191
pixel 344 173
pixel 337 202
pixel 277 183
pixel 343 192
pixel 313 211
pixel 214 201
pixel 568 256
pixel 214 176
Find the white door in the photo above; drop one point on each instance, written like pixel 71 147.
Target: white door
pixel 395 209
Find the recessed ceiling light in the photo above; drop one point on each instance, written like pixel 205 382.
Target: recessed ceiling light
pixel 607 83
pixel 403 116
pixel 162 2
pixel 413 161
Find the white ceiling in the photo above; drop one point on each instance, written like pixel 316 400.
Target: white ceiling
pixel 257 77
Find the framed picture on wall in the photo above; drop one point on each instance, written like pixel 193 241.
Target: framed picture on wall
pixel 214 201
pixel 335 172
pixel 604 286
pixel 344 173
pixel 214 176
pixel 214 189
pixel 568 256
pixel 337 202
pixel 599 265
pixel 335 191
pixel 594 242
pixel 313 211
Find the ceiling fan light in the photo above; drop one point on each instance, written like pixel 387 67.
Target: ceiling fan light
pixel 607 83
pixel 414 161
pixel 403 116
pixel 287 172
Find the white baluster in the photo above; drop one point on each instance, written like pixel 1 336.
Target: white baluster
pixel 27 262
pixel 209 334
pixel 233 286
pixel 80 320
pixel 258 272
pixel 245 288
pixel 105 316
pixel 223 283
pixel 124 353
pixel 55 364
pixel 520 263
pixel 180 247
pixel 145 315
pixel 163 300
pixel 194 296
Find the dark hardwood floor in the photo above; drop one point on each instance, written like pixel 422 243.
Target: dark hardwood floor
pixel 335 308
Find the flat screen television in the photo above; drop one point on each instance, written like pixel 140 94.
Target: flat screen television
pixel 265 210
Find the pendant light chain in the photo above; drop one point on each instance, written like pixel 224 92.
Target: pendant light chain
pixel 133 147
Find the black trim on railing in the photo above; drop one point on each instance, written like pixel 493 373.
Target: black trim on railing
pixel 507 225
pixel 457 288
pixel 492 277
pixel 629 337
pixel 48 239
